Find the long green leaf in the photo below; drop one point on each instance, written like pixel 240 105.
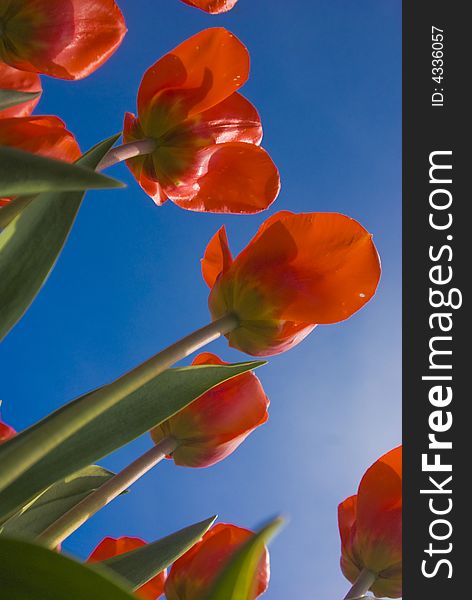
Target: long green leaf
pixel 9 98
pixel 238 578
pixel 141 565
pixel 30 572
pixel 129 418
pixel 32 242
pixel 55 501
pixel 26 173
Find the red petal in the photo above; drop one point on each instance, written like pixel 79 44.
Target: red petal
pixel 228 178
pixel 110 547
pixel 380 488
pixel 69 39
pixel 193 573
pixel 46 136
pixel 208 67
pixel 6 432
pixel 325 265
pixel 208 358
pixel 217 257
pixel 346 518
pixel 12 79
pixel 213 7
pixel 232 120
pixel 379 513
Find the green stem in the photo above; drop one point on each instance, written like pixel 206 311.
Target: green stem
pixel 17 457
pixel 362 585
pixel 79 514
pixel 125 152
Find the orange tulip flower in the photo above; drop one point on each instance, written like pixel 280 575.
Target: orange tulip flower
pixel 46 136
pixel 6 432
pixel 212 427
pixel 110 547
pixel 207 155
pixel 299 270
pixel 12 79
pixel 192 575
pixel 213 7
pixel 68 40
pixel 370 525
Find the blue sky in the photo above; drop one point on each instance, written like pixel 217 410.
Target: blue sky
pixel 326 80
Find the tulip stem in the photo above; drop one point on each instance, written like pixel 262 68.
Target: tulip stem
pixel 65 422
pixel 362 585
pixel 81 512
pixel 126 151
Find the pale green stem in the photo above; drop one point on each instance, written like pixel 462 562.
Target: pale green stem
pixel 65 422
pixel 126 151
pixel 56 533
pixel 362 585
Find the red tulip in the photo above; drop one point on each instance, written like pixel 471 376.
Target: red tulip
pixel 6 432
pixel 214 425
pixel 192 575
pixel 63 38
pixel 110 547
pixel 213 7
pixel 370 525
pixel 299 270
pixel 12 79
pixel 46 136
pixel 207 155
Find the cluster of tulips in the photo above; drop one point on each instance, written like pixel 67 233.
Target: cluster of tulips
pixel 195 141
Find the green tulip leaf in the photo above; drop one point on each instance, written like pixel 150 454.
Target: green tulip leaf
pixel 31 242
pixel 140 565
pixel 9 98
pixel 238 579
pixel 113 427
pixel 31 572
pixel 54 502
pixel 26 173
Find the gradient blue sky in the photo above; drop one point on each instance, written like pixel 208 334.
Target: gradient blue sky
pixel 326 80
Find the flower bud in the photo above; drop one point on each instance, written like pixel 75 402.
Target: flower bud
pixel 214 425
pixel 370 525
pixel 193 574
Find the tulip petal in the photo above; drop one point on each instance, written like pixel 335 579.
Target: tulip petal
pixel 6 432
pixel 380 488
pixel 110 547
pixel 66 39
pixel 192 575
pixel 13 79
pixel 228 178
pixel 346 518
pixel 213 7
pixel 327 265
pixel 234 119
pixel 213 426
pixel 217 258
pixel 46 136
pixel 205 69
pixel 379 530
